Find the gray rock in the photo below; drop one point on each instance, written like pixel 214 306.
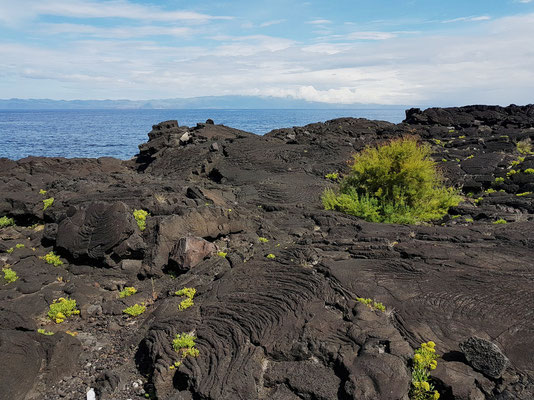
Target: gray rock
pixel 484 356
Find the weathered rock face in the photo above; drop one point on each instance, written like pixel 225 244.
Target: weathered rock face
pixel 289 326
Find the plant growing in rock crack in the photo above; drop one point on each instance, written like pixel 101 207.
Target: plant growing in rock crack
pixel 44 332
pixel 52 258
pixel 374 305
pixel 423 362
pixel 135 310
pixel 500 221
pixel 10 276
pixel 47 203
pixel 529 171
pixel 184 343
pixel 397 182
pixel 140 217
pixel 524 146
pixel 263 240
pixel 334 176
pixel 270 256
pixel 61 309
pixel 6 221
pixel 189 294
pixel 222 254
pixel 127 291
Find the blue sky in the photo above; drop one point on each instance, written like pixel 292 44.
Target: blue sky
pixel 387 52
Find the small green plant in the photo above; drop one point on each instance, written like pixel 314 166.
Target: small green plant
pixel 470 157
pixel 499 180
pixel 61 309
pixel 10 276
pixel 6 221
pixel 47 203
pixel 184 343
pixel 135 310
pixel 424 360
pixel 20 246
pixel 52 258
pixel 529 171
pixel 437 141
pixel 128 291
pixel 511 172
pixel 524 146
pixel 455 216
pixel 189 294
pixel 222 254
pixel 490 190
pixel 394 183
pixel 44 332
pixel 270 256
pixel 444 159
pixel 42 191
pixel 461 137
pixel 140 218
pixel 523 194
pixel 374 305
pixel 10 250
pixel 263 240
pixel 469 219
pixel 500 221
pixel 478 200
pixel 334 176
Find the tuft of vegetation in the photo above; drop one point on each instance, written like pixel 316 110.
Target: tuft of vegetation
pixel 469 219
pixel 6 221
pixel 222 254
pixel 500 221
pixel 511 172
pixel 135 310
pixel 394 183
pixel 128 291
pixel 184 343
pixel 263 240
pixel 44 332
pixel 524 146
pixel 529 171
pixel 42 191
pixel 424 360
pixel 61 309
pixel 10 276
pixel 334 176
pixel 490 190
pixel 523 194
pixel 189 294
pixel 374 305
pixel 52 258
pixel 499 180
pixel 47 203
pixel 140 218
pixel 270 256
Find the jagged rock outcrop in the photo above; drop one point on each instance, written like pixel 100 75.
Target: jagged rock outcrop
pixel 275 314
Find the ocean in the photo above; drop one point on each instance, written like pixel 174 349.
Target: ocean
pixel 117 133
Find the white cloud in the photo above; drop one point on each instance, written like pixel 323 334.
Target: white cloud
pixel 270 23
pixel 468 19
pixel 319 22
pixel 115 33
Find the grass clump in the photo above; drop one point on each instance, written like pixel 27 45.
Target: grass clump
pixel 524 146
pixel 270 256
pixel 61 309
pixel 140 218
pixel 184 343
pixel 10 276
pixel 44 332
pixel 528 171
pixel 499 180
pixel 6 221
pixel 394 183
pixel 47 203
pixel 500 221
pixel 424 361
pixel 372 304
pixel 222 254
pixel 42 191
pixel 52 258
pixel 189 294
pixel 334 176
pixel 263 240
pixel 523 194
pixel 135 310
pixel 128 291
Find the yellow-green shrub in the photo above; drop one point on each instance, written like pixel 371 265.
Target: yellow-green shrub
pixel 52 258
pixel 47 203
pixel 6 221
pixel 184 343
pixel 189 293
pixel 394 183
pixel 128 291
pixel 62 308
pixel 134 310
pixel 140 218
pixel 424 361
pixel 10 276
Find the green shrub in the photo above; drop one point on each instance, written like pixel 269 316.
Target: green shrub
pixel 374 305
pixel 42 191
pixel 184 343
pixel 47 203
pixel 62 308
pixel 140 218
pixel 128 291
pixel 270 256
pixel 511 172
pixel 52 258
pixel 394 183
pixel 263 240
pixel 424 361
pixel 44 332
pixel 500 221
pixel 523 194
pixel 334 176
pixel 499 180
pixel 189 293
pixel 10 276
pixel 6 221
pixel 222 254
pixel 134 310
pixel 529 171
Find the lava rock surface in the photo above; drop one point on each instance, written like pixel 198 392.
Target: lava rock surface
pixel 287 326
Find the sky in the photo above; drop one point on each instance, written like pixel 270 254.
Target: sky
pixel 409 52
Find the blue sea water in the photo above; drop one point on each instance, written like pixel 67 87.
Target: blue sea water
pixel 117 133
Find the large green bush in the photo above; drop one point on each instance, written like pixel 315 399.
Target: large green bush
pixel 397 182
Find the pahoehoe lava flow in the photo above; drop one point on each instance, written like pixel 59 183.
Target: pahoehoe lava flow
pixel 238 217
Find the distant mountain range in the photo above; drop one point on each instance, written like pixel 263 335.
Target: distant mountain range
pixel 207 102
